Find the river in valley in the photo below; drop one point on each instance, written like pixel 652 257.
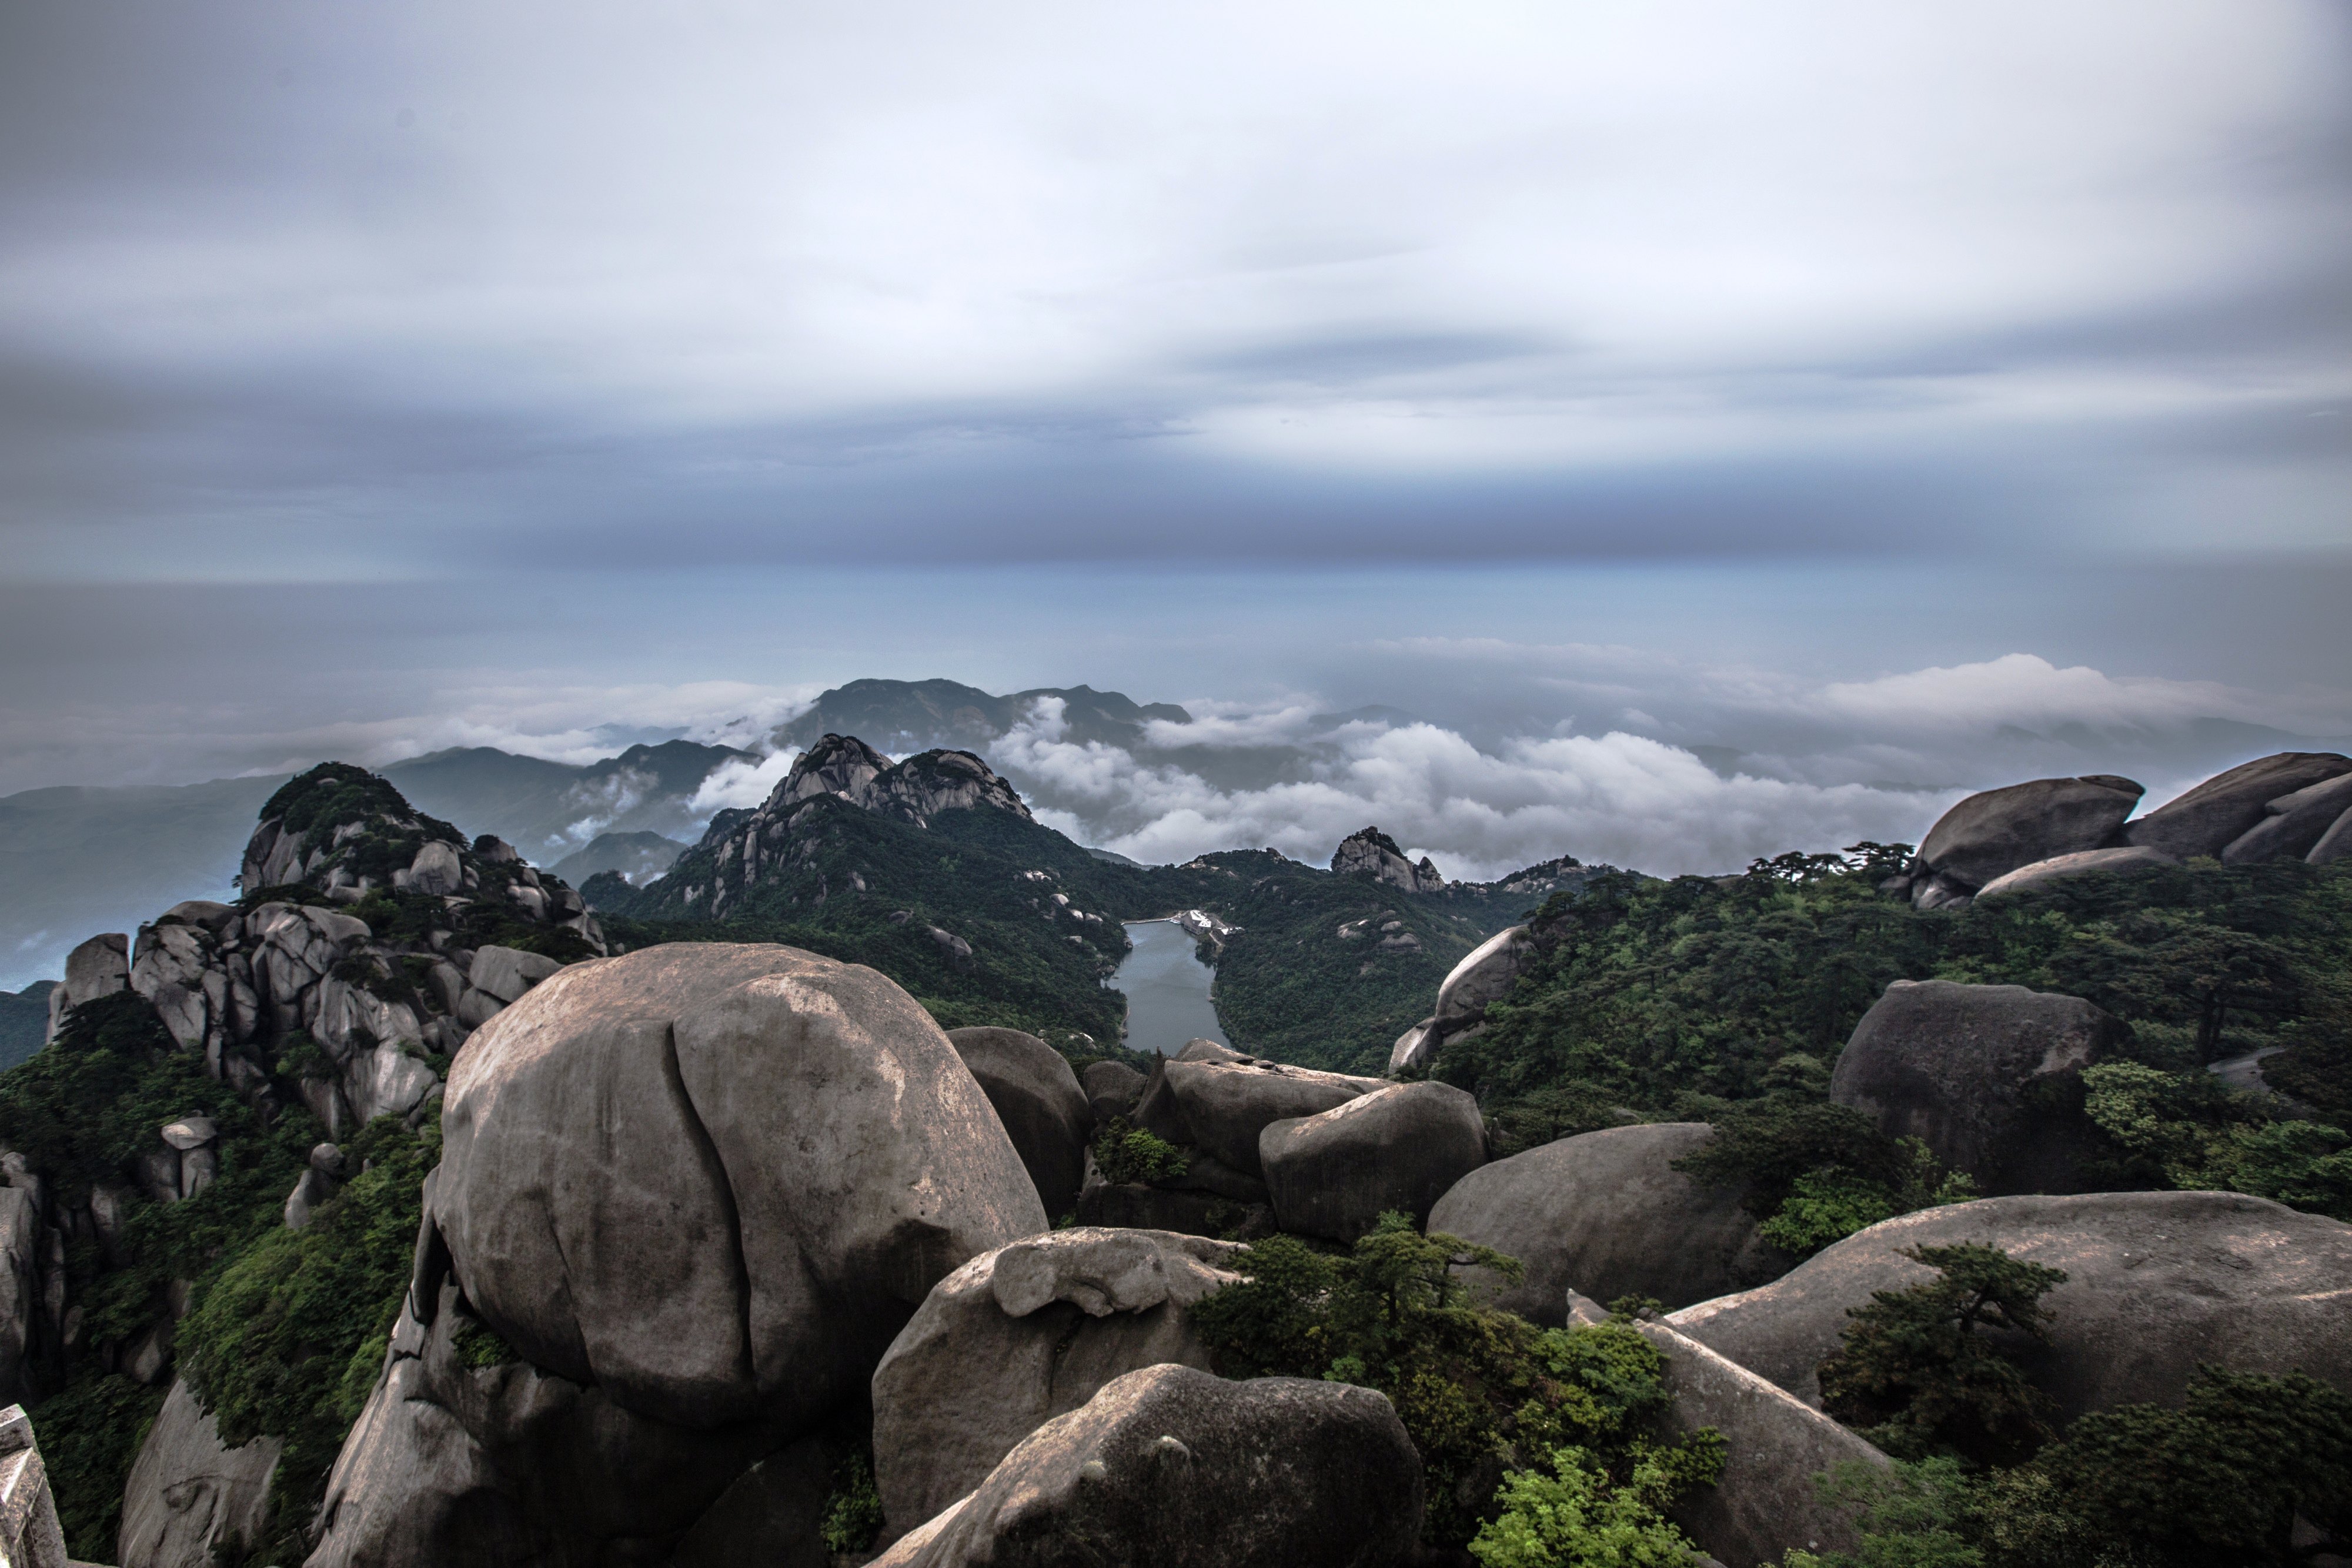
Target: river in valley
pixel 1167 989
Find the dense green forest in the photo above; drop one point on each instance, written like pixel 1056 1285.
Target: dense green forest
pixel 1324 970
pixel 1728 1000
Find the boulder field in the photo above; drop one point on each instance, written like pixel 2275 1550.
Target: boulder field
pixel 2293 805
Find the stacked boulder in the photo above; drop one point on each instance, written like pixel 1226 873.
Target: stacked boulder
pixel 2294 805
pixel 1484 976
pixel 1270 1145
pixel 688 1196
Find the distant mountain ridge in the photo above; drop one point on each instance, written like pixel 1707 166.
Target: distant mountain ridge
pixel 902 717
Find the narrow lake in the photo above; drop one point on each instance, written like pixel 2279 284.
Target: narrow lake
pixel 1167 989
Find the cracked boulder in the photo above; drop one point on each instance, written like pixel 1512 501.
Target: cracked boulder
pixel 715 1180
pixel 1037 1096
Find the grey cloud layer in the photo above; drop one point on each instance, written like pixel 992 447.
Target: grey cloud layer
pixel 293 291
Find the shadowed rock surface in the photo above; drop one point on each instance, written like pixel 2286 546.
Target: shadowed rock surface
pixel 1774 1445
pixel 1607 1213
pixel 2157 1283
pixel 1170 1468
pixel 1989 1077
pixel 1037 1096
pixel 1994 832
pixel 1020 1335
pixel 2205 819
pixel 1400 1147
pixel 1222 1104
pixel 2293 824
pixel 2083 863
pixel 188 1492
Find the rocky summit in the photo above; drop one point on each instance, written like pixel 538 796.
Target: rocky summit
pixel 802 1206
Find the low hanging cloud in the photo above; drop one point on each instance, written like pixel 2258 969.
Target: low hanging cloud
pixel 1618 798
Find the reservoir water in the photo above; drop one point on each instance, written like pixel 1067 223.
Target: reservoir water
pixel 1167 989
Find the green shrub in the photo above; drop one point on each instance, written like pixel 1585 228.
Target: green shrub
pixel 853 1510
pixel 2186 1130
pixel 1125 1153
pixel 1920 1375
pixel 1480 1392
pixel 89 1432
pixel 1576 1517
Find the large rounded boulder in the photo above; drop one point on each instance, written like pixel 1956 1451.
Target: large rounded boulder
pixel 1400 1147
pixel 1220 1103
pixel 1989 1077
pixel 1994 832
pixel 1020 1335
pixel 2127 861
pixel 713 1181
pixel 2208 818
pixel 2292 825
pixel 1606 1214
pixel 2157 1283
pixel 1171 1467
pixel 1037 1096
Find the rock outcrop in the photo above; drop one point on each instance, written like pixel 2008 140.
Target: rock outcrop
pixel 1332 1174
pixel 1606 1214
pixel 189 1493
pixel 1371 853
pixel 21 1248
pixel 1037 1096
pixel 1170 1468
pixel 744 850
pixel 2083 863
pixel 697 1190
pixel 2293 823
pixel 1220 1103
pixel 30 1534
pixel 1764 1502
pixel 1994 832
pixel 1989 1077
pixel 1112 1089
pixel 1020 1335
pixel 97 967
pixel 1484 976
pixel 715 1178
pixel 2207 820
pixel 2156 1283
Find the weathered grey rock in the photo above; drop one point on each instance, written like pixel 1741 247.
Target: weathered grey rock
pixel 1607 1213
pixel 1020 1335
pixel 714 1179
pixel 312 1189
pixel 2157 1283
pixel 190 1131
pixel 1373 854
pixel 1994 832
pixel 1415 1049
pixel 437 870
pixel 20 1290
pixel 1400 1147
pixel 2293 824
pixel 1181 1469
pixel 1199 1050
pixel 1764 1502
pixel 1036 1096
pixel 188 1492
pixel 385 1082
pixel 30 1534
pixel 1989 1077
pixel 2204 821
pixel 1112 1089
pixel 1484 976
pixel 953 947
pixel 2083 863
pixel 1186 1212
pixel 1223 1106
pixel 506 973
pixel 773 1515
pixel 2335 844
pixel 98 968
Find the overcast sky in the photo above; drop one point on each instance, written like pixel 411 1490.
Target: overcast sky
pixel 380 376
